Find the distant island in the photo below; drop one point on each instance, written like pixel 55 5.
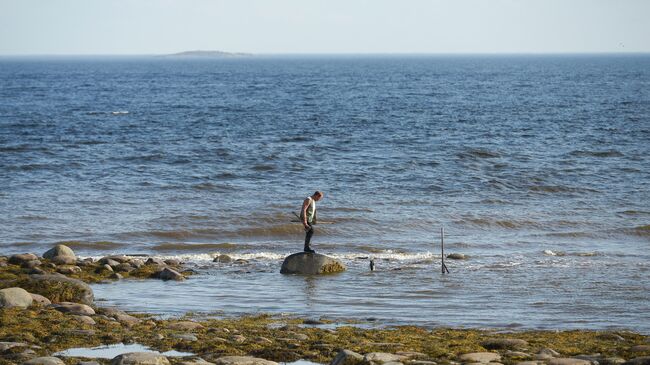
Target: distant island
pixel 208 54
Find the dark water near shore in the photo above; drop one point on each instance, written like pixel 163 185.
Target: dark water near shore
pixel 536 166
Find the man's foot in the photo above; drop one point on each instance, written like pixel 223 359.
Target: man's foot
pixel 309 250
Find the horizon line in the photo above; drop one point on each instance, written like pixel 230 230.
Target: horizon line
pixel 251 54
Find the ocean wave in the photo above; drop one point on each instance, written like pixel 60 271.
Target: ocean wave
pixel 559 189
pixel 276 230
pixel 502 223
pixel 213 187
pixel 478 153
pixel 171 246
pixel 100 245
pixel 606 153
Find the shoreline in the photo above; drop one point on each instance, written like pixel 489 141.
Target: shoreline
pixel 43 329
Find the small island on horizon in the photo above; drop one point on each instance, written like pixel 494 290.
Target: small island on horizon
pixel 208 54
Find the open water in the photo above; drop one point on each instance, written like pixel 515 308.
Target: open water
pixel 536 166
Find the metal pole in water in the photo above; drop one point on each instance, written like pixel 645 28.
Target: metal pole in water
pixel 443 267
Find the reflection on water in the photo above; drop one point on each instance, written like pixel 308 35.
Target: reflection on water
pixel 110 351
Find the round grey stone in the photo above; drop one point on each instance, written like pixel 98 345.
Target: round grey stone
pixel 15 297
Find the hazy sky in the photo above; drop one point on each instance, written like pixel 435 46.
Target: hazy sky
pixel 323 26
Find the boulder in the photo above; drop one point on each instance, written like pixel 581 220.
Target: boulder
pixel 310 264
pixel 124 267
pixel 30 264
pixel 185 337
pixel 382 358
pixel 140 358
pixel 243 360
pixel 84 320
pixel 170 274
pixel 504 343
pixel 58 288
pixel 568 361
pixel 222 259
pixel 74 308
pixel 18 259
pixel 59 251
pixel 643 360
pixel 46 360
pixel 40 300
pixel 184 326
pixel 4 346
pixel 155 261
pixel 15 297
pixel 347 357
pixel 113 260
pixel 480 357
pixel 64 260
pixel 68 269
pixel 173 262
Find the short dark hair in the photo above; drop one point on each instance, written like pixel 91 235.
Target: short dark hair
pixel 319 193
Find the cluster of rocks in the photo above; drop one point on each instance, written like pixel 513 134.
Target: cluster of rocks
pixel 63 261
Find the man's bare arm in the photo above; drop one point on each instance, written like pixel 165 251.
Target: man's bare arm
pixel 303 214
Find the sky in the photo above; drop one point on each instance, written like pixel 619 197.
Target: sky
pixel 124 27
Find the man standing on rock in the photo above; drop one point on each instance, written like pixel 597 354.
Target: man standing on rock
pixel 308 217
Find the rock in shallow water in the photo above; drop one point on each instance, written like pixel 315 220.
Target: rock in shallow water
pixel 170 274
pixel 15 297
pixel 59 250
pixel 311 264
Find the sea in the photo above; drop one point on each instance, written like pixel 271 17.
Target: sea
pixel 535 166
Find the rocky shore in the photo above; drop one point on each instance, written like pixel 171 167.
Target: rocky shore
pixel 46 306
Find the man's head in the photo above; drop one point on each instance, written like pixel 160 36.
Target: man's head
pixel 318 195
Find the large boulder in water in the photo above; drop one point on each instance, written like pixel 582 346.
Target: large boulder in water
pixel 60 251
pixel 311 264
